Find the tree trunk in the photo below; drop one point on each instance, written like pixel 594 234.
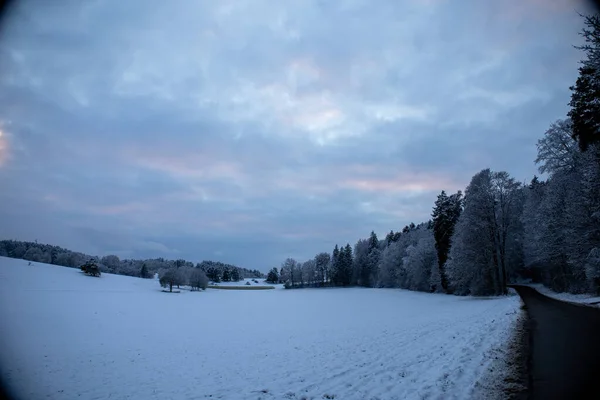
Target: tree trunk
pixel 503 262
pixel 443 278
pixel 495 254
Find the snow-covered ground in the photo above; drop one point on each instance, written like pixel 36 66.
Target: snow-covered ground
pixel 66 335
pixel 574 298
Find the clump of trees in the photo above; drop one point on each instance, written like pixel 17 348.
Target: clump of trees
pixel 89 268
pixel 193 277
pixel 487 242
pixel 218 271
pixel 171 277
pixel 501 230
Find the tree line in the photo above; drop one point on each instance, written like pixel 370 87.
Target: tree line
pixel 499 230
pixel 147 268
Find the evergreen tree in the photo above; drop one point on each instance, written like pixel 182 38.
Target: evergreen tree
pixel 585 96
pixel 373 241
pixel 373 266
pixel 213 274
pixel 144 271
pixel 389 238
pixel 346 267
pixel 235 275
pixel 445 215
pixel 369 267
pixel 273 276
pixel 53 255
pixel 360 265
pixel 226 275
pixel 335 266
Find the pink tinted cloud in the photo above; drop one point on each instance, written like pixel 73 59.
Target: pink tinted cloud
pixel 371 180
pixel 200 170
pixel 365 179
pixel 402 184
pixel 175 215
pixel 201 166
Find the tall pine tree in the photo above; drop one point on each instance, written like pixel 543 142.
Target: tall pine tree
pixel 235 275
pixel 144 271
pixel 346 256
pixel 445 214
pixel 585 99
pixel 335 266
pixel 226 275
pixel 273 276
pixel 370 272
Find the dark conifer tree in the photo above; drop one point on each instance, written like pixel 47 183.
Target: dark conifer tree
pixel 226 275
pixel 144 271
pixel 273 276
pixel 585 96
pixel 335 266
pixel 445 215
pixel 235 275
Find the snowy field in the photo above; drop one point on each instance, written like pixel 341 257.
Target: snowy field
pixel 66 335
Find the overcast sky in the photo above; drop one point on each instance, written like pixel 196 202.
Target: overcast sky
pixel 248 131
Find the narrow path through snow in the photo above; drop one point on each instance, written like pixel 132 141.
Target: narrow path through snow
pixel 565 351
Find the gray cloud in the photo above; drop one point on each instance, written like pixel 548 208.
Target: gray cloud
pixel 249 131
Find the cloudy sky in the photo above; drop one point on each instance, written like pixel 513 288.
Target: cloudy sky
pixel 248 131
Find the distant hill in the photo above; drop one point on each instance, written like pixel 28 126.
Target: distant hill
pixel 56 255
